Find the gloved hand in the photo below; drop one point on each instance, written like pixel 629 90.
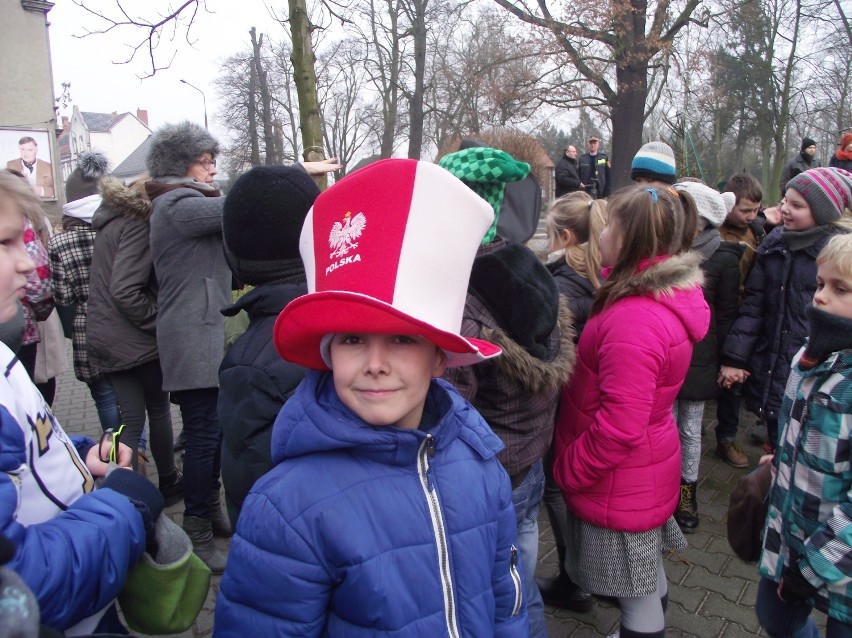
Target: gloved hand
pixel 795 587
pixel 145 497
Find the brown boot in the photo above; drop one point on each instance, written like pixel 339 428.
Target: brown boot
pixel 686 513
pixel 731 453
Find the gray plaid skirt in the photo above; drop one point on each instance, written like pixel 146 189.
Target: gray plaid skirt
pixel 619 564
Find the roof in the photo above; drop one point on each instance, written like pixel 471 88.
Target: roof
pixel 98 122
pixel 134 165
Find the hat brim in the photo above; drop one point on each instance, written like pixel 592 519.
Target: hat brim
pixel 300 327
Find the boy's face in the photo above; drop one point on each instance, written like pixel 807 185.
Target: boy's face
pixel 384 378
pixel 743 213
pixel 834 290
pixel 15 263
pixel 796 212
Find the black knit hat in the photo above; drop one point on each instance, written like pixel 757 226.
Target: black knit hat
pixel 83 180
pixel 262 220
pixel 806 141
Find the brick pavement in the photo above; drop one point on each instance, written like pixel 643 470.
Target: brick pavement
pixel 711 591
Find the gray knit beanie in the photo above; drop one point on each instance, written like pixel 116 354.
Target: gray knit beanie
pixel 175 146
pixel 83 180
pixel 828 192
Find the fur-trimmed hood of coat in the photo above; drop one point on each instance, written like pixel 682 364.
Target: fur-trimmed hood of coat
pixel 663 277
pixel 175 146
pixel 119 200
pixel 539 376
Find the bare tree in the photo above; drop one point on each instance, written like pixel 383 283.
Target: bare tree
pixel 614 40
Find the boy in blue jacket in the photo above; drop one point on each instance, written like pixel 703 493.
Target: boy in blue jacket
pixel 73 545
pixel 387 511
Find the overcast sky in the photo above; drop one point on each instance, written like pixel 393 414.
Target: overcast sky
pixel 97 84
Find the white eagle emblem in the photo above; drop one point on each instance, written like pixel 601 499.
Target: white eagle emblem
pixel 343 235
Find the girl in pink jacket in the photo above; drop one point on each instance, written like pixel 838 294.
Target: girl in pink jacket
pixel 617 445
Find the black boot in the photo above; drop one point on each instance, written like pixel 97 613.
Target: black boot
pixel 560 591
pixel 686 513
pixel 171 487
pixel 221 524
pixel 201 534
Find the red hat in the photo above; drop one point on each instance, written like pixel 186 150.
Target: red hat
pixel 388 250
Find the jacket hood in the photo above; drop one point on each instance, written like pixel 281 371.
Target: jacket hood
pixel 314 420
pixel 539 376
pixel 120 201
pixel 675 282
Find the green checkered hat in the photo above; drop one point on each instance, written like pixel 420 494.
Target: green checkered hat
pixel 486 171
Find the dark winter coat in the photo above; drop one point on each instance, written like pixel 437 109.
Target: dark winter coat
pixel 254 382
pixel 799 164
pixel 512 301
pixel 577 291
pixel 839 163
pixel 122 311
pixel 721 290
pixel 595 167
pixel 195 284
pixel 363 531
pixel 772 325
pixel 567 176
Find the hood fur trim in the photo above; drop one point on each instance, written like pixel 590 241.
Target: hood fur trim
pixel 175 146
pixel 538 376
pixel 663 278
pixel 124 201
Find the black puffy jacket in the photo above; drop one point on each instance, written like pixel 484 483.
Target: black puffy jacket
pixel 577 291
pixel 772 325
pixel 254 383
pixel 721 290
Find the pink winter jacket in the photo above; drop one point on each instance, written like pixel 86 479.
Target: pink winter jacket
pixel 617 445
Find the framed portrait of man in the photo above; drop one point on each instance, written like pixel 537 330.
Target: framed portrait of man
pixel 27 151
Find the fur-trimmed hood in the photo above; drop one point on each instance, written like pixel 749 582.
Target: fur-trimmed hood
pixel 676 283
pixel 175 146
pixel 120 201
pixel 539 376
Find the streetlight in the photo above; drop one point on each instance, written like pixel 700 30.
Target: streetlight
pixel 203 97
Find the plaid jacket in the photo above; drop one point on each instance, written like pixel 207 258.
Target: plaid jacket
pixel 38 300
pixel 70 259
pixel 810 508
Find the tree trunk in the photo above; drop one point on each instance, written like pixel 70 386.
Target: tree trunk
pixel 252 114
pixel 271 155
pixel 415 110
pixel 305 78
pixel 632 83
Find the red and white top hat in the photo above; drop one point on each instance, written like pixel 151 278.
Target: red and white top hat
pixel 388 250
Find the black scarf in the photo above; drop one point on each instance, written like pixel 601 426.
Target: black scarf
pixel 828 333
pixel 29 165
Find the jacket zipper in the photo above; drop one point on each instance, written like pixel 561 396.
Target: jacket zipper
pixel 516 579
pixel 427 449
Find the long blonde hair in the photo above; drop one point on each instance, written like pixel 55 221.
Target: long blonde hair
pixel 585 218
pixel 14 187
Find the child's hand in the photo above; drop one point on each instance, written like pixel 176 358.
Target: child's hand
pixel 98 467
pixel 766 458
pixel 730 375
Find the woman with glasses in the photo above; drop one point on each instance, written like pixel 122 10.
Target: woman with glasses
pixel 194 284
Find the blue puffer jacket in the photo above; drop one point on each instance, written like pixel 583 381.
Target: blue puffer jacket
pixel 375 531
pixel 771 325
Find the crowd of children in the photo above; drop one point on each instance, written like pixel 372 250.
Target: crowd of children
pixel 385 455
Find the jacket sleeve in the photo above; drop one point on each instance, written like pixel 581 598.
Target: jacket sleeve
pixel 274 584
pixel 629 363
pixel 829 548
pixel 608 187
pixel 63 293
pixel 77 562
pixel 566 178
pixel 195 215
pixel 510 614
pixel 727 298
pixel 745 331
pixel 132 271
